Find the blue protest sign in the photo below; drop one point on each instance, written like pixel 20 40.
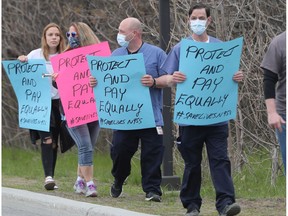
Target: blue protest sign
pixel 32 92
pixel 122 101
pixel 208 95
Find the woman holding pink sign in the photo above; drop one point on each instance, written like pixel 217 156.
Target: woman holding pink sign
pixel 52 43
pixel 85 135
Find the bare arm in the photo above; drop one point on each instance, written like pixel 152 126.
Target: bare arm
pixel 274 119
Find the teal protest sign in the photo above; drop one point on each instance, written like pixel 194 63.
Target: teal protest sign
pixel 32 92
pixel 122 101
pixel 208 95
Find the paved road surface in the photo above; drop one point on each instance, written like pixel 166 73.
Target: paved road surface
pixel 25 203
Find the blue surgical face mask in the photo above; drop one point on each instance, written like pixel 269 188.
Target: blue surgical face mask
pixel 121 40
pixel 74 42
pixel 198 26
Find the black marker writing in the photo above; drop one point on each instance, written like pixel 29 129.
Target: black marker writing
pixel 112 65
pixel 20 68
pixel 208 54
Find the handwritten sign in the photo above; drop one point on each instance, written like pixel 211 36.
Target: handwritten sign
pixel 32 92
pixel 122 101
pixel 208 95
pixel 76 95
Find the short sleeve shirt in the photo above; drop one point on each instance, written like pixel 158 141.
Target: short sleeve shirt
pixel 38 54
pixel 275 61
pixel 153 59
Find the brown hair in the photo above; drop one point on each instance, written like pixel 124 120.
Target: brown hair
pixel 44 45
pixel 85 34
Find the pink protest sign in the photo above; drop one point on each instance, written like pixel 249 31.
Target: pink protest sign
pixel 76 95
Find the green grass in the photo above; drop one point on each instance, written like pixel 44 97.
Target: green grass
pixel 22 169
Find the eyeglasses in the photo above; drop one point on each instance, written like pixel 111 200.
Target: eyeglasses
pixel 73 34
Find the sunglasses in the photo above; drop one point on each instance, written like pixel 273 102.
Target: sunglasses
pixel 73 34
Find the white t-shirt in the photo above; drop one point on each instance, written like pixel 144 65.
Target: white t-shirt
pixel 38 54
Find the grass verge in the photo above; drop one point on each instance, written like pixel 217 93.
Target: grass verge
pixel 22 169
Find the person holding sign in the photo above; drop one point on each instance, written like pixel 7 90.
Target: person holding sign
pixel 274 67
pixel 52 43
pixel 84 135
pixel 125 142
pixel 193 137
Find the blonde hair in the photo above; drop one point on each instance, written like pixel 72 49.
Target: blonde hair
pixel 44 46
pixel 85 34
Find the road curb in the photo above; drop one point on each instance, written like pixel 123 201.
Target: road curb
pixel 75 207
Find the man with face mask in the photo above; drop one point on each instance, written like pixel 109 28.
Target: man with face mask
pixel 125 142
pixel 193 137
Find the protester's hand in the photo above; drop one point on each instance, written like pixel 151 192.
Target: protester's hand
pixel 23 58
pixel 179 77
pixel 147 80
pixel 92 81
pixel 54 76
pixel 275 121
pixel 238 76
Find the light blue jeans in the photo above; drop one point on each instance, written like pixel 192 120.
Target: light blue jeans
pixel 281 136
pixel 85 137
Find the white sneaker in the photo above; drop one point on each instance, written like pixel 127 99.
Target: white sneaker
pixel 49 183
pixel 91 191
pixel 80 187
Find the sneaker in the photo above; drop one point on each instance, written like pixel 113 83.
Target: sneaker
pixel 193 212
pixel 115 190
pixel 153 197
pixel 91 191
pixel 80 187
pixel 55 187
pixel 231 210
pixel 49 183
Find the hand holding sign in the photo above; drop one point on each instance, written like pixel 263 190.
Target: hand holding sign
pixel 208 95
pixel 122 101
pixel 73 83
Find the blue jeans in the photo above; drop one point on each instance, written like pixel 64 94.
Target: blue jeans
pixel 281 136
pixel 85 137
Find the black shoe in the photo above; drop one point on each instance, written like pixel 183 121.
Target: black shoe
pixel 231 210
pixel 153 197
pixel 115 190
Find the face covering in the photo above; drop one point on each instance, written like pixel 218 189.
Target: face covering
pixel 198 26
pixel 121 40
pixel 74 42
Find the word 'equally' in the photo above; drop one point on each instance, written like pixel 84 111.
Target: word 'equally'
pixel 20 68
pixel 111 65
pixel 208 54
pixel 192 100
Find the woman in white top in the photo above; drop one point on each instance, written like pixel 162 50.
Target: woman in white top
pixel 52 43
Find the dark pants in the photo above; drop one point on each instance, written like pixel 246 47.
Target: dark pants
pixel 124 145
pixel 190 147
pixel 49 151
